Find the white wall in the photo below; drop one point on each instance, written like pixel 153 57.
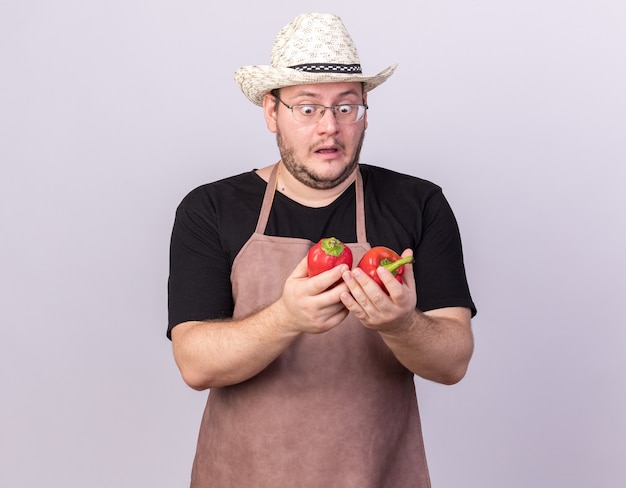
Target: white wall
pixel 111 111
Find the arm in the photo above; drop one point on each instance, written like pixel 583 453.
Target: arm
pixel 220 353
pixel 436 345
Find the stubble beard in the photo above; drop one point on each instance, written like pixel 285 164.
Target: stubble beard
pixel 301 173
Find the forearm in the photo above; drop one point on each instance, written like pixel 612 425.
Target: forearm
pixel 435 345
pixel 219 353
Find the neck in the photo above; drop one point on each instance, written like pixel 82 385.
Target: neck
pixel 305 195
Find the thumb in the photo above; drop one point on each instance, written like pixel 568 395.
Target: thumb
pixel 408 268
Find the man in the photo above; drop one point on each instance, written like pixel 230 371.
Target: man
pixel 312 384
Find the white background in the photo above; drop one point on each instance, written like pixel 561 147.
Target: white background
pixel 111 111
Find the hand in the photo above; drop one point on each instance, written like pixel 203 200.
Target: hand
pixel 312 305
pixel 376 309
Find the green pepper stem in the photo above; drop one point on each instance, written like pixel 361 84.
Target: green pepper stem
pixel 332 246
pixel 394 265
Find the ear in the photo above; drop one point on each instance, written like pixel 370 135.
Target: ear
pixel 365 116
pixel 269 111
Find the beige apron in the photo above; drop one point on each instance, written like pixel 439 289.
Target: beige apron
pixel 333 410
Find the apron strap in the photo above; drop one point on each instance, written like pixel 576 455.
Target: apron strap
pixel 268 198
pixel 266 206
pixel 361 234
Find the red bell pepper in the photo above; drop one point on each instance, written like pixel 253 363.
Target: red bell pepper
pixel 326 254
pixel 383 256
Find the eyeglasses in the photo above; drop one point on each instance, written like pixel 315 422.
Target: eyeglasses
pixel 310 113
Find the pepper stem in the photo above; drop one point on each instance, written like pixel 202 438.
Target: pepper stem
pixel 394 265
pixel 332 246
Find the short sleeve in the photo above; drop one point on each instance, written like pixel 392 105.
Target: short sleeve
pixel 199 276
pixel 440 270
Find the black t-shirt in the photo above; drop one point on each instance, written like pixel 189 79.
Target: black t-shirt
pixel 215 220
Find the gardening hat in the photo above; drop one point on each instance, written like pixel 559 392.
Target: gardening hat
pixel 312 48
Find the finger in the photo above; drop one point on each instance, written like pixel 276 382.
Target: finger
pixel 408 276
pixel 352 306
pixel 366 291
pixel 329 279
pixel 390 282
pixel 354 290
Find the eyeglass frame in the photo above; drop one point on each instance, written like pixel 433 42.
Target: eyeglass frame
pixel 323 109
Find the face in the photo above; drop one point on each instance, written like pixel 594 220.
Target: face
pixel 321 154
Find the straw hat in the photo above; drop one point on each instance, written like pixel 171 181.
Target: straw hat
pixel 312 48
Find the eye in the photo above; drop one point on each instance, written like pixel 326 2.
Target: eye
pixel 344 109
pixel 307 110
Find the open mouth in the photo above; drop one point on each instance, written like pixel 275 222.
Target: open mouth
pixel 327 150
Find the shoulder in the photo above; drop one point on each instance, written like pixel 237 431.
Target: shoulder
pixel 378 177
pixel 220 215
pixel 235 190
pixel 398 206
pixel 387 184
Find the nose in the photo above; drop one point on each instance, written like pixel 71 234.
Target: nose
pixel 328 122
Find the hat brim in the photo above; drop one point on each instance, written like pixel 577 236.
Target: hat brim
pixel 256 81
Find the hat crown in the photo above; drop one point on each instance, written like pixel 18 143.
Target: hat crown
pixel 313 48
pixel 314 38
